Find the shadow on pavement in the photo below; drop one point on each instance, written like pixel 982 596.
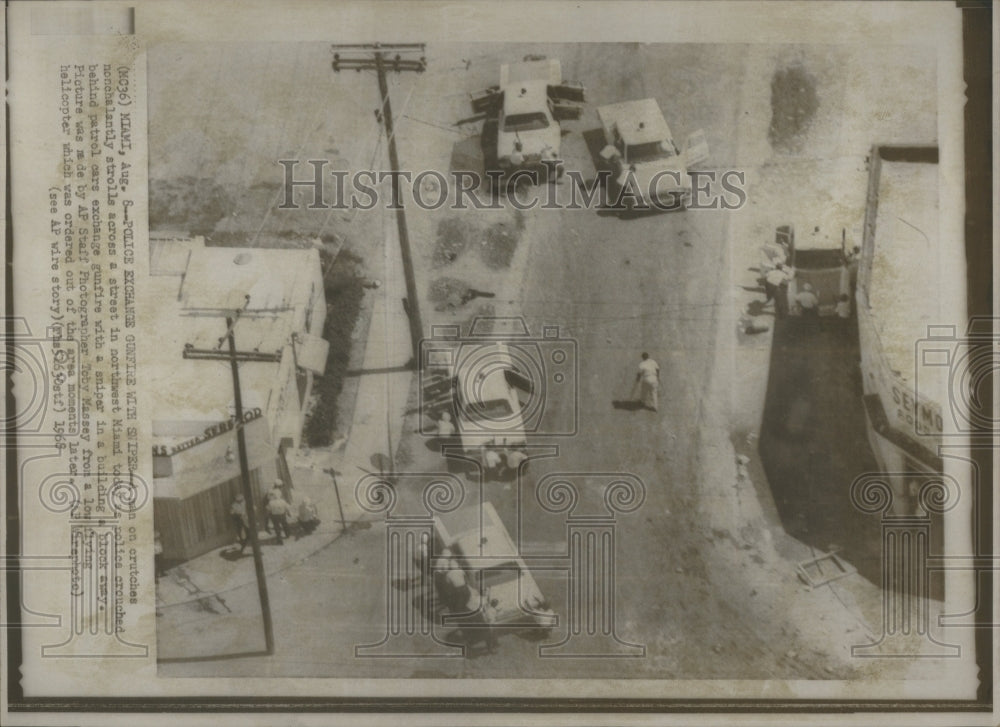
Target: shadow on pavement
pixel 627 405
pixel 813 440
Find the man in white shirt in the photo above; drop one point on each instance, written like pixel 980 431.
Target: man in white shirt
pixel 807 301
pixel 445 428
pixel 844 306
pixel 648 379
pixel 491 459
pixel 776 288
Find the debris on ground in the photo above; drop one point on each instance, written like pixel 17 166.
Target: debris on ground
pixel 451 293
pixel 499 244
pixel 452 239
pixel 793 105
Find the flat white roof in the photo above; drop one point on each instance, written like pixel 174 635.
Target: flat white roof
pixel 220 278
pixel 905 285
pixel 638 122
pixel 192 310
pixel 199 390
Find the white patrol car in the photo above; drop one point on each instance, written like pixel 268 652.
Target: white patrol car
pixel 522 130
pixel 478 539
pixel 485 383
pixel 646 163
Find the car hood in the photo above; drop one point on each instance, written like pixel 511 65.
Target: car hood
pixel 673 175
pixel 532 142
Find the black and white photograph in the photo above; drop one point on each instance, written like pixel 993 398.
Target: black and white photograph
pixel 495 370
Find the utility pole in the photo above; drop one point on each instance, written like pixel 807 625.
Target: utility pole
pixel 366 56
pixel 234 357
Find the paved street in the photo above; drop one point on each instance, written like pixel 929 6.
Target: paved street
pixel 704 573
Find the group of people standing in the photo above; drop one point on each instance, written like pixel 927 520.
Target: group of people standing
pixel 777 276
pixel 499 462
pixel 281 514
pixel 458 597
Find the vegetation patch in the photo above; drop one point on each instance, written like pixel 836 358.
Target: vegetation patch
pixel 452 240
pixel 793 106
pixel 344 287
pixel 499 244
pixel 188 204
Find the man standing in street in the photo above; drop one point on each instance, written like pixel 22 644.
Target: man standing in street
pixel 776 288
pixel 238 513
pixel 647 380
pixel 277 511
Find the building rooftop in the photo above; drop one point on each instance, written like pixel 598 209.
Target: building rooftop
pixel 189 390
pixel 904 291
pixel 220 278
pixel 192 308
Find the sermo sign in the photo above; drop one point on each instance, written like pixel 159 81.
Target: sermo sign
pixel 915 414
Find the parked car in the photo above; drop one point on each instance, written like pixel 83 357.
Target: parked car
pixel 479 541
pixel 485 385
pixel 522 130
pixel 640 145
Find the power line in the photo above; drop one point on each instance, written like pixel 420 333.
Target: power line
pixel 384 58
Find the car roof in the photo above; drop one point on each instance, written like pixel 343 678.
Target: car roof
pixel 489 384
pixel 467 526
pixel 638 122
pixel 525 97
pixel 548 71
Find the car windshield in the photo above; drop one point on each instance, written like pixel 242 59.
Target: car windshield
pixel 500 574
pixel 650 151
pixel 525 122
pixel 493 410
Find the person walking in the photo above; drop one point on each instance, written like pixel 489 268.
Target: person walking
pixel 647 383
pixel 241 522
pixel 277 512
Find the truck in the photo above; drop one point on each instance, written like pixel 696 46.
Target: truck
pixel 648 170
pixel 828 264
pixel 522 114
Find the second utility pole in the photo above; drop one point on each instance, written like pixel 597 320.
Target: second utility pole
pixel 380 64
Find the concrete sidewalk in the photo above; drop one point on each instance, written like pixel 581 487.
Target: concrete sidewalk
pixel 370 445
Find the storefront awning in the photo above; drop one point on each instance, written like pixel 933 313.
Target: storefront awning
pixel 311 352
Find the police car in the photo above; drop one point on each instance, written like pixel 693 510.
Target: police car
pixel 648 168
pixel 522 130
